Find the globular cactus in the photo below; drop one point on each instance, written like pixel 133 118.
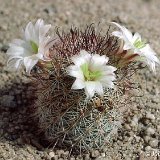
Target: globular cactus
pixel 83 80
pixel 63 115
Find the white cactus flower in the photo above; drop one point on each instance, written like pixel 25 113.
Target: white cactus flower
pixel 29 50
pixel 91 73
pixel 136 45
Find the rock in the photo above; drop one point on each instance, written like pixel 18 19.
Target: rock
pixel 127 126
pixel 55 157
pixel 148 148
pixel 153 143
pixel 135 119
pixel 65 154
pixel 103 154
pixel 155 100
pixel 87 157
pixel 137 138
pixel 51 154
pixel 158 128
pixel 147 138
pixel 60 152
pixel 150 116
pixel 134 122
pixel 150 131
pixel 79 157
pixel 95 153
pixel 146 121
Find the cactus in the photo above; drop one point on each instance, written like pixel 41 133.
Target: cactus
pixel 83 80
pixel 64 116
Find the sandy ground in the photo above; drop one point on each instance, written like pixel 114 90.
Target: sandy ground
pixel 139 138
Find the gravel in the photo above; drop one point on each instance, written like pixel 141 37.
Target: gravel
pixel 139 137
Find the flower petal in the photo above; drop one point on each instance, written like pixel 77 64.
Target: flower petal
pixel 30 62
pixel 83 57
pixel 18 42
pixel 16 50
pixel 99 88
pixel 44 49
pixel 127 46
pixel 150 57
pixel 147 51
pixel 14 63
pixel 117 34
pixel 125 31
pixel 108 69
pixel 90 88
pixel 99 60
pixel 75 71
pixel 107 78
pixel 78 84
pixel 32 47
pixel 29 32
pixel 136 36
pixel 93 75
pixel 107 84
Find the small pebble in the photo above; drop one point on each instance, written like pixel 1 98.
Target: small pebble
pixel 135 119
pixel 55 157
pixel 103 154
pixel 155 100
pixel 137 138
pixel 150 131
pixel 134 122
pixel 150 116
pixel 153 143
pixel 51 154
pixel 60 152
pixel 147 138
pixel 148 148
pixel 95 153
pixel 87 157
pixel 158 128
pixel 127 126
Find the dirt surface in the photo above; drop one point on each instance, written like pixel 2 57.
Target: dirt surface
pixel 140 135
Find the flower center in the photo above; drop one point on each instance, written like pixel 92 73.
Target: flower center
pixel 139 44
pixel 34 46
pixel 88 74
